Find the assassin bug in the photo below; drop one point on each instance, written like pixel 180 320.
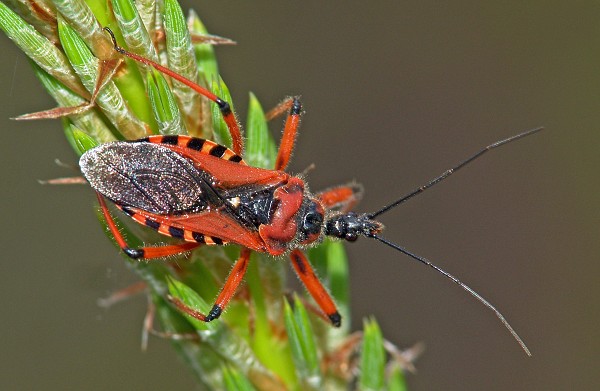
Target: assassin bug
pixel 204 193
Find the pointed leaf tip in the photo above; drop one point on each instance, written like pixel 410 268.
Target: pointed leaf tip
pixel 372 360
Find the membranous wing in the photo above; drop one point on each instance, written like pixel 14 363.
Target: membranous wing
pixel 149 177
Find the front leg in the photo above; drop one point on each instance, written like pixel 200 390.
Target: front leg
pixel 318 292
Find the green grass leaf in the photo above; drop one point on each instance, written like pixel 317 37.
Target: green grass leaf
pixel 193 300
pixel 147 11
pixel 236 381
pixel 165 109
pixel 372 358
pixel 266 300
pixel 205 53
pixel 38 13
pixel 303 345
pixel 396 381
pixel 182 59
pixel 260 146
pixel 80 141
pixel 109 98
pixel 79 15
pixel 41 50
pixel 133 30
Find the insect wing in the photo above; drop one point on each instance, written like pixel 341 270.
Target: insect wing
pixel 230 175
pixel 147 176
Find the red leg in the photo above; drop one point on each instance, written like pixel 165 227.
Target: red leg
pixel 341 198
pixel 143 252
pixel 288 139
pixel 224 107
pixel 233 282
pixel 318 292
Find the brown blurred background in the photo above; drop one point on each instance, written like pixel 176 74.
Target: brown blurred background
pixel 394 94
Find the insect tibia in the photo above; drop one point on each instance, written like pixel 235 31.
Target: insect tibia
pixel 350 226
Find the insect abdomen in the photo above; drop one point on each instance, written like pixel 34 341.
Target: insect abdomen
pixel 171 230
pixel 197 144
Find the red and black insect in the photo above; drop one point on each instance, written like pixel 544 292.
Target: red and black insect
pixel 205 194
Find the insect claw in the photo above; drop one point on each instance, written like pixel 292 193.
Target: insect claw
pixel 223 106
pixel 134 253
pixel 214 313
pixel 336 319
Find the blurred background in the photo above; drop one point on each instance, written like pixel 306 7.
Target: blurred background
pixel 395 93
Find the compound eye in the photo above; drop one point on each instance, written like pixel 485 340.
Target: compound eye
pixel 312 223
pixel 351 237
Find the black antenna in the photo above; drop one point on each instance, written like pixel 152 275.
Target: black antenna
pixel 451 171
pixel 461 284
